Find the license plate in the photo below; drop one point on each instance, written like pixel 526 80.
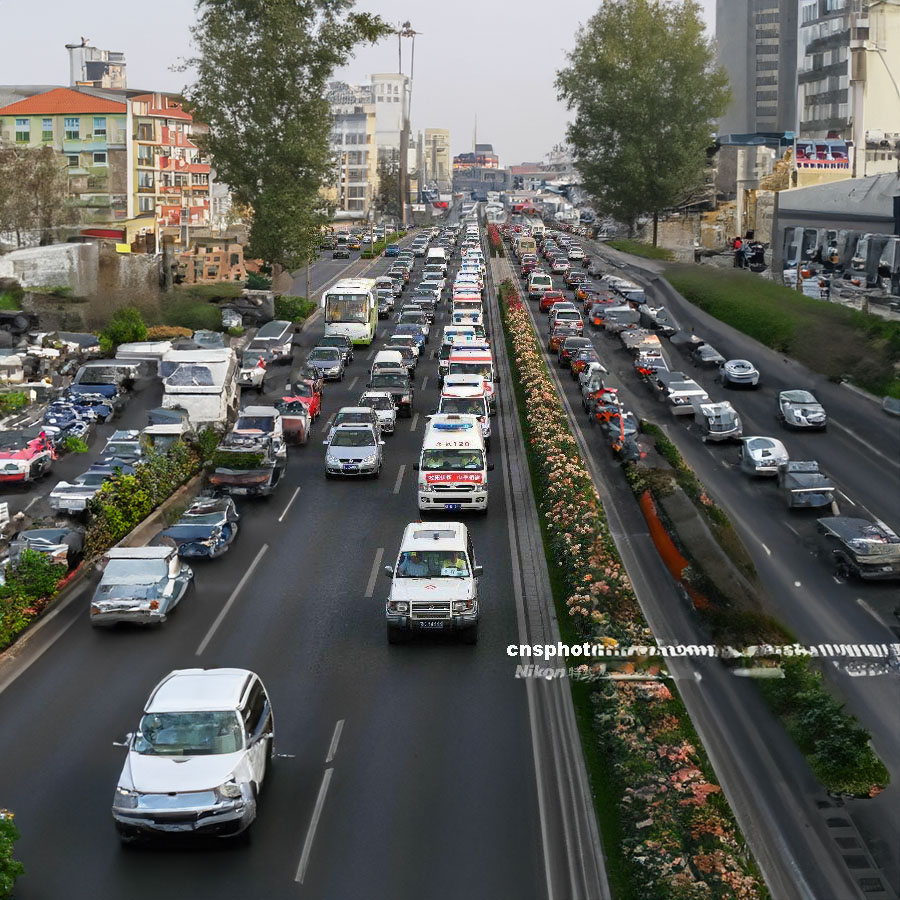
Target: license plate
pixel 430 624
pixel 453 506
pixel 351 468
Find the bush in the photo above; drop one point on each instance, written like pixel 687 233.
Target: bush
pixel 29 587
pixel 827 337
pixel 72 444
pixel 126 325
pixel 10 869
pixel 293 309
pixel 12 402
pixel 125 500
pixel 257 282
pixel 185 311
pixel 235 331
pixel 637 248
pixel 167 332
pixel 11 298
pixel 835 746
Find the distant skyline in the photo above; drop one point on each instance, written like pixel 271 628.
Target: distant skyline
pixel 472 59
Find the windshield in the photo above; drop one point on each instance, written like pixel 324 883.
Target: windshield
pixel 471 406
pixel 189 734
pixel 333 341
pixel 432 564
pixel 98 375
pixel 452 460
pixel 303 389
pixel 346 308
pixel 255 423
pixel 361 437
pixel 377 402
pixel 324 354
pixel 92 479
pixel 353 418
pixel 471 368
pixel 388 380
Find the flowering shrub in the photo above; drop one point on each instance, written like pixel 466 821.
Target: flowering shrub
pixel 680 840
pixel 10 868
pixel 26 591
pixel 495 243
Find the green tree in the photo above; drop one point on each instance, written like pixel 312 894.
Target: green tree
pixel 262 71
pixel 387 199
pixel 126 325
pixel 645 90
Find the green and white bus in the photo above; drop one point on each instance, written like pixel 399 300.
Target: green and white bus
pixel 351 309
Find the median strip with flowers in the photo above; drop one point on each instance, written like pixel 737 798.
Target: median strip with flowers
pixel 679 836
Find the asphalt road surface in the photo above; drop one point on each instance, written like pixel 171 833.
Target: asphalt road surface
pixel 412 762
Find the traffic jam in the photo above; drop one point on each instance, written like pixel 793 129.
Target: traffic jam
pixel 590 320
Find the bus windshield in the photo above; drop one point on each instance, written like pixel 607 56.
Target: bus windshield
pixel 347 308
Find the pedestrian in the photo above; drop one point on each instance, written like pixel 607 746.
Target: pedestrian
pixel 738 247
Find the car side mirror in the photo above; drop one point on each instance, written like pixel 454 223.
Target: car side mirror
pixel 490 467
pixel 496 378
pixel 389 571
pixel 381 443
pixel 126 741
pixel 478 571
pixel 415 467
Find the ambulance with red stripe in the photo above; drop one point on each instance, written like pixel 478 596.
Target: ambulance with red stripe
pixel 475 359
pixel 453 466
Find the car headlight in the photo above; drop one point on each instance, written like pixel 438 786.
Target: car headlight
pixel 369 460
pixel 332 460
pixel 459 606
pixel 400 606
pixel 125 798
pixel 426 488
pixel 231 789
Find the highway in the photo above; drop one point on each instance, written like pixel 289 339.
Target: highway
pixel 776 800
pixel 404 771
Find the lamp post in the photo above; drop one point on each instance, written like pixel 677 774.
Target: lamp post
pixel 405 30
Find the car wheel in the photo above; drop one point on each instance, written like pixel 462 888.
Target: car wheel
pixel 377 473
pixel 470 635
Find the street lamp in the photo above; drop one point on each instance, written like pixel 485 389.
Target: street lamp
pixel 405 30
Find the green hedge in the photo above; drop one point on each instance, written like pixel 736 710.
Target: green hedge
pixel 293 309
pixel 826 337
pixel 637 248
pixel 10 868
pixel 12 401
pixel 29 586
pixel 125 500
pixel 377 248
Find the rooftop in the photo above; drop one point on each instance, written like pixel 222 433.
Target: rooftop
pixel 62 100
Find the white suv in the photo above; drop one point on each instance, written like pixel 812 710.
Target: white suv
pixel 434 584
pixel 199 757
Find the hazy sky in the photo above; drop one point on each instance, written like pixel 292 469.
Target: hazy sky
pixel 472 58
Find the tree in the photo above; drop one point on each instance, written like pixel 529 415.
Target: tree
pixel 261 77
pixel 645 89
pixel 387 200
pixel 33 191
pixel 126 325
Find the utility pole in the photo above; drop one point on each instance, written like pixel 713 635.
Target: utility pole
pixel 405 30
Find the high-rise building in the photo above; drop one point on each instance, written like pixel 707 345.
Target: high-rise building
pixel 757 44
pixel 91 67
pixel 353 142
pixel 436 152
pixel 389 92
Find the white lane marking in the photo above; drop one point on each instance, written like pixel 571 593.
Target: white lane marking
pixel 332 749
pixel 865 444
pixel 373 575
pixel 424 382
pixel 836 580
pixel 846 497
pixel 313 825
pixel 328 422
pixel 796 584
pixel 371 353
pixel 353 381
pixel 768 551
pixel 399 478
pixel 293 498
pixel 415 421
pixel 871 611
pixel 791 527
pixel 230 602
pixel 33 501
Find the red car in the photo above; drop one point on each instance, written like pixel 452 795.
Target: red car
pixel 25 454
pixel 549 298
pixel 309 395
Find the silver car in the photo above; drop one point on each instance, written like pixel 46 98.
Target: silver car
pixel 198 759
pixel 354 450
pixel 383 404
pixel 354 415
pixel 73 497
pixel 800 409
pixel 762 455
pixel 140 586
pixel 328 362
pixel 739 373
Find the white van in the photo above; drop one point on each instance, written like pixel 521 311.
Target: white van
pixel 471 359
pixel 453 465
pixel 387 359
pixel 465 395
pixel 437 255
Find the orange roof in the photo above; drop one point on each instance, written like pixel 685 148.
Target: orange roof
pixel 59 101
pixel 170 108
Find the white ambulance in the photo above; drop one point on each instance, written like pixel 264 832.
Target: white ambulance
pixel 475 359
pixel 465 395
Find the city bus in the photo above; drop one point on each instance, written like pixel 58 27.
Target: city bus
pixel 525 243
pixel 351 309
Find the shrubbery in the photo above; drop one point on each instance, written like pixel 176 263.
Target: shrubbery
pixel 167 332
pixel 256 282
pixel 377 248
pixel 29 587
pixel 10 868
pixel 13 401
pixel 293 309
pixel 126 325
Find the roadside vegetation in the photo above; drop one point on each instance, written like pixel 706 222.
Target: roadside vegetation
pixel 28 588
pixel 12 402
pixel 11 297
pixel 828 338
pixel 637 248
pixel 377 248
pixel 293 309
pixel 668 829
pixel 10 867
pixel 126 325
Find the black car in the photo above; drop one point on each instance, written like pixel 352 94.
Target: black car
pixel 398 385
pixel 342 342
pixel 384 307
pixel 341 252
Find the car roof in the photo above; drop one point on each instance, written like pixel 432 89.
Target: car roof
pixel 354 409
pixel 139 552
pixel 434 536
pixel 199 689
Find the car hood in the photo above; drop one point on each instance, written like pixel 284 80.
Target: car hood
pixel 168 774
pixel 810 412
pixel 429 589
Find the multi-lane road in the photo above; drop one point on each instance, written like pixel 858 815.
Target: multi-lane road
pixel 403 771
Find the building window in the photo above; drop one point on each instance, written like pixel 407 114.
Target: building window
pixel 100 158
pixel 72 160
pixel 145 131
pixel 99 126
pixel 46 129
pixel 73 129
pixel 145 181
pixel 145 204
pixel 23 131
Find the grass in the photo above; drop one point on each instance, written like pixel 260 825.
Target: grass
pixel 636 248
pixel 11 299
pixel 829 338
pixel 221 290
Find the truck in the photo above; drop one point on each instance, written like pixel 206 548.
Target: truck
pixel 252 457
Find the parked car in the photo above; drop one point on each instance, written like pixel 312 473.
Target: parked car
pixel 124 445
pixel 738 373
pixel 63 545
pixel 762 455
pixel 800 409
pixel 199 756
pixel 72 497
pixel 383 405
pixel 860 548
pixel 328 362
pixel 25 454
pixel 707 357
pixel 354 449
pixel 139 586
pixel 206 528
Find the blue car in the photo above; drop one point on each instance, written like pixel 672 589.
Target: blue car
pixel 414 331
pixel 392 250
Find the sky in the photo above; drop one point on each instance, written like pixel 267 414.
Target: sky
pixel 473 58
